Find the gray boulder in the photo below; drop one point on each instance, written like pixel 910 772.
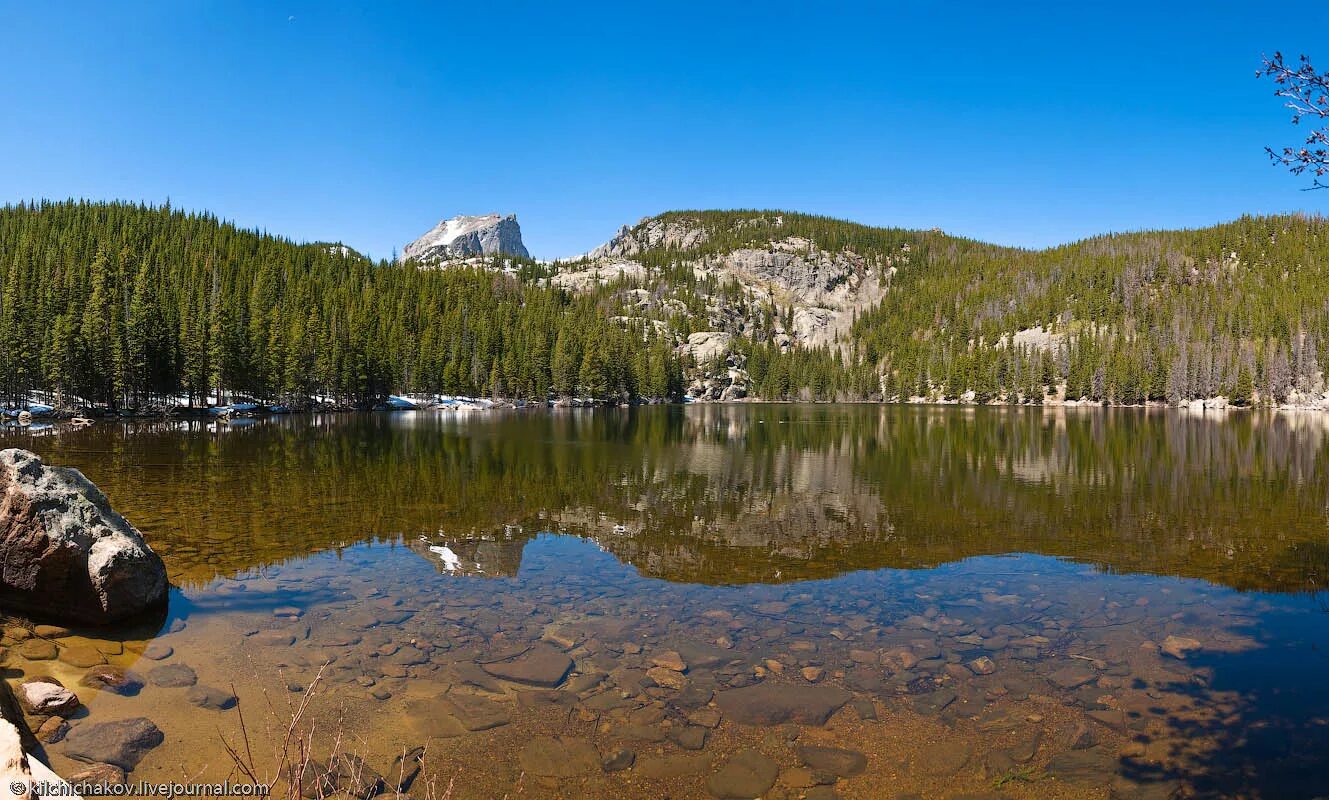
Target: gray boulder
pixel 64 553
pixel 122 743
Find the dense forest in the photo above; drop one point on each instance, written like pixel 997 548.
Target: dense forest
pixel 127 305
pixel 1239 310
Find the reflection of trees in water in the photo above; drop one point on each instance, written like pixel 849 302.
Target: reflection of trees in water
pixel 739 493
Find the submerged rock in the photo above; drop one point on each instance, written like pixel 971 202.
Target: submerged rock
pixel 66 553
pixel 748 774
pixel 1179 646
pixel 173 676
pixel 122 743
pixel 112 679
pixel 103 775
pixel 542 665
pixel 836 761
pixel 774 704
pixel 559 757
pixel 41 697
pixel 211 698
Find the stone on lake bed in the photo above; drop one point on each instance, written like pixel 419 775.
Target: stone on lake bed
pixel 52 730
pixel 772 703
pixel 273 638
pixel 559 757
pixel 211 698
pixel 41 697
pixel 121 743
pixel 38 650
pixel 157 651
pixel 622 759
pixel 541 665
pixel 667 767
pixel 99 775
pixel 668 678
pixel 82 656
pixel 671 660
pixel 747 775
pixel 1091 765
pixel 112 679
pixel 172 676
pixel 1073 676
pixel 982 666
pixel 1179 646
pixel 843 763
pixel 474 713
pixel 944 759
pixel 689 737
pixel 705 717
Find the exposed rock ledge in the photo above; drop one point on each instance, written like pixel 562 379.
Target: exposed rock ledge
pixel 64 553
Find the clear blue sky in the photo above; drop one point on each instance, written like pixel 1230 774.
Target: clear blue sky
pixel 1002 121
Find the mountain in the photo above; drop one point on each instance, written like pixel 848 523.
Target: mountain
pixel 119 304
pixel 466 237
pixel 778 305
pixel 123 305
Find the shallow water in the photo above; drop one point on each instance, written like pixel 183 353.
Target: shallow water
pixel 975 599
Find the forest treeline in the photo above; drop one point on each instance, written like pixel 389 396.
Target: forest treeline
pixel 1239 310
pixel 124 305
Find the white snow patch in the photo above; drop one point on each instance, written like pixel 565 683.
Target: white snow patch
pixel 451 561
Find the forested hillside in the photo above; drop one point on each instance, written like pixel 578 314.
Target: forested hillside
pixel 120 304
pixel 1239 310
pixel 125 305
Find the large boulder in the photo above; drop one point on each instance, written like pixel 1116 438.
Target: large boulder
pixel 64 553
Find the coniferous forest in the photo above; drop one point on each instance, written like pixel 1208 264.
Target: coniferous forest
pixel 1238 310
pixel 124 305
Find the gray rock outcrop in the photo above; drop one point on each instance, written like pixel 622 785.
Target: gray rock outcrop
pixel 64 553
pixel 651 233
pixel 467 237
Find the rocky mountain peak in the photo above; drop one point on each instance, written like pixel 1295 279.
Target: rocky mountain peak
pixel 468 236
pixel 649 233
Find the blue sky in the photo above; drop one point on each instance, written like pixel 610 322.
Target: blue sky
pixel 1017 123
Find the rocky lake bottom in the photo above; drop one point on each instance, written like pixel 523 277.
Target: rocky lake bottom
pixel 736 604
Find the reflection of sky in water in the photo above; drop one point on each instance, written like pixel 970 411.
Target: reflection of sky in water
pixel 738 494
pixel 803 535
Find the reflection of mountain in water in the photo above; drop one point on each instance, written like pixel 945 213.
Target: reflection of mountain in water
pixel 496 556
pixel 731 494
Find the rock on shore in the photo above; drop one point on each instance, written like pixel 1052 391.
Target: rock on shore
pixel 64 553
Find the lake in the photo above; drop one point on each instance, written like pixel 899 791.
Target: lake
pixel 852 601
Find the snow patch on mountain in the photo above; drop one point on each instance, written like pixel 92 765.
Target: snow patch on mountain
pixel 468 236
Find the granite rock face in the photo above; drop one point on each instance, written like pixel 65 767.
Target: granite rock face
pixel 468 237
pixel 64 553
